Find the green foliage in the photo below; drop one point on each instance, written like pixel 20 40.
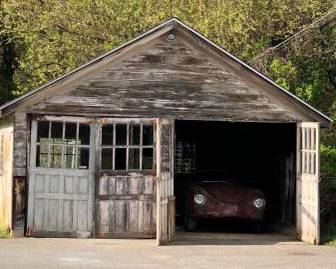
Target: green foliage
pixel 4 233
pixel 333 241
pixel 328 160
pixel 329 234
pixel 328 212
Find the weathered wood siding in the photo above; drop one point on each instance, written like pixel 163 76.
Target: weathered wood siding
pixel 60 203
pixel 20 153
pixel 126 206
pixel 172 79
pixel 21 136
pixel 6 159
pixel 165 191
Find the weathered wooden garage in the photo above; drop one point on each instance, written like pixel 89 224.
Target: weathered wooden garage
pixel 92 153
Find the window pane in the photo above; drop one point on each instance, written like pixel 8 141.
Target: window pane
pixel 147 159
pixel 314 139
pixel 147 135
pixel 134 134
pixel 308 138
pixel 56 132
pixel 42 131
pixel 106 159
pixel 84 134
pixel 120 159
pixel 314 163
pixel 56 157
pixel 121 134
pixel 107 134
pixel 41 157
pixel 70 133
pixel 83 158
pixel 70 157
pixel 134 159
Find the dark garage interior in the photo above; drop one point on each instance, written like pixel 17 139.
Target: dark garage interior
pixel 255 155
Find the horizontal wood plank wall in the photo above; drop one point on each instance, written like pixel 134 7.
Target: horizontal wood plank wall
pixel 126 206
pixel 168 79
pixel 6 176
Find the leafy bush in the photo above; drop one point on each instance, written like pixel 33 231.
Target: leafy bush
pixel 4 232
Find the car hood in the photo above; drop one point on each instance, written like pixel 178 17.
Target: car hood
pixel 227 192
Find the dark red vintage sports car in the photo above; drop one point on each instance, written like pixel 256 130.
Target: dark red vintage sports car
pixel 222 199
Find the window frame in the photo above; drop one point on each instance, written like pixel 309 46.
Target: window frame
pixel 127 146
pixel 64 145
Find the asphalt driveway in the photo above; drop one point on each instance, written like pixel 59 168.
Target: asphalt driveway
pixel 190 250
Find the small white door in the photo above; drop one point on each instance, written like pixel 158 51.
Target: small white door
pixel 308 168
pixel 165 224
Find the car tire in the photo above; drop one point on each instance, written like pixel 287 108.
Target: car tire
pixel 190 224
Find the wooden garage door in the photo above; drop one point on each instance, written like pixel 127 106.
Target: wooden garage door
pixel 126 181
pixel 61 181
pixel 308 167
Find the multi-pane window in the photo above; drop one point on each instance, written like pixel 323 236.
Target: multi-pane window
pixel 308 150
pixel 63 145
pixel 127 146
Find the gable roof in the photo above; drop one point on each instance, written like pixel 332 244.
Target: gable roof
pixel 170 24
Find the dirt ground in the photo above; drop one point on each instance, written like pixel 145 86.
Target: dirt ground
pixel 190 250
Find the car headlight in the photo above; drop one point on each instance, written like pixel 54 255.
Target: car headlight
pixel 199 199
pixel 259 203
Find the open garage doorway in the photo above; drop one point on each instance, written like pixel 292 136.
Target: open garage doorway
pixel 235 176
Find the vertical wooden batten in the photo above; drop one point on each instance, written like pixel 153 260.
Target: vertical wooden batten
pixel 165 229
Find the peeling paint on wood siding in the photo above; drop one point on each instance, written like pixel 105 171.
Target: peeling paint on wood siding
pixel 19 202
pixel 21 134
pixel 168 79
